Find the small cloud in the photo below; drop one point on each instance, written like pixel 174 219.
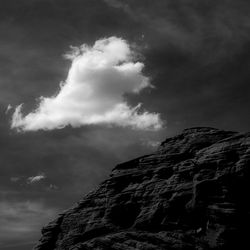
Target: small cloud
pixel 37 178
pixel 116 4
pixel 151 143
pixel 15 179
pixel 52 187
pixel 9 107
pixel 93 93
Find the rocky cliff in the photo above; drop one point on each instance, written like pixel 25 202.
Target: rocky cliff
pixel 192 193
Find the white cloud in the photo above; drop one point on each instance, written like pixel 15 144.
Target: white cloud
pixel 93 92
pixel 36 178
pixel 9 107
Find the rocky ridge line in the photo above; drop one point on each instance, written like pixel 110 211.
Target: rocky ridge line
pixel 192 193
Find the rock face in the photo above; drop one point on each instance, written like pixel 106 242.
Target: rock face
pixel 192 193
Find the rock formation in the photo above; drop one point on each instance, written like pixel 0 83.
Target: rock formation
pixel 192 193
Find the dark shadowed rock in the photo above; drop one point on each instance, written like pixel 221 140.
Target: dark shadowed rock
pixel 192 193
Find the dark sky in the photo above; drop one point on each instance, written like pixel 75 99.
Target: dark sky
pixel 197 54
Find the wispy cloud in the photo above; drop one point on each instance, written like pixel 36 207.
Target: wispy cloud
pixel 9 107
pixel 52 187
pixel 22 219
pixel 151 143
pixel 93 92
pixel 37 178
pixel 15 179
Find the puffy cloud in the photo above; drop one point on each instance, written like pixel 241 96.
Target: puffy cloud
pixel 36 178
pixel 93 92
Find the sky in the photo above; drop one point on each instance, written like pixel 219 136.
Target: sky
pixel 88 84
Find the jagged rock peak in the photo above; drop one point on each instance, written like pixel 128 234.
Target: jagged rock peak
pixel 192 193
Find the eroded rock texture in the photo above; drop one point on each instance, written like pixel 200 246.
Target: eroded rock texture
pixel 193 193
